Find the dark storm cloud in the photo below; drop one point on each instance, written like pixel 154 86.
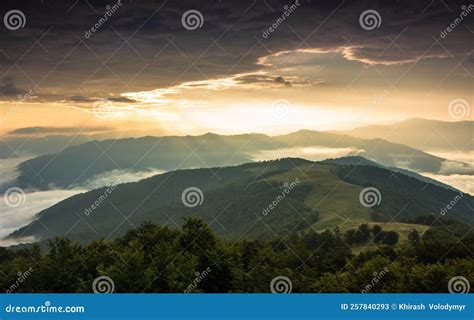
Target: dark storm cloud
pixel 8 88
pixel 270 81
pixel 84 99
pixel 80 99
pixel 122 99
pixel 282 81
pixel 143 45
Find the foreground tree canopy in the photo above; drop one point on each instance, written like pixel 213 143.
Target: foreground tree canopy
pixel 155 258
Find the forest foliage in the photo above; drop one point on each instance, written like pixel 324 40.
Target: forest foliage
pixel 156 258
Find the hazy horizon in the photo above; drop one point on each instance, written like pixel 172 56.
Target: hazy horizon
pixel 44 131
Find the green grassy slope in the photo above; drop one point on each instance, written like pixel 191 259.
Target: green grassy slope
pixel 320 196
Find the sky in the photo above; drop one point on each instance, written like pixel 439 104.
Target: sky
pixel 189 67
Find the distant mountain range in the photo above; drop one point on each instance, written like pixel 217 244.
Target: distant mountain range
pixel 422 134
pixel 255 200
pixel 14 145
pixel 79 164
pixel 34 146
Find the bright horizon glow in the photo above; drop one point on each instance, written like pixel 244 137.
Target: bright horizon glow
pixel 194 119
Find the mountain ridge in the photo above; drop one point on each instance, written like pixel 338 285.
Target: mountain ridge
pixel 77 164
pixel 429 134
pixel 234 199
